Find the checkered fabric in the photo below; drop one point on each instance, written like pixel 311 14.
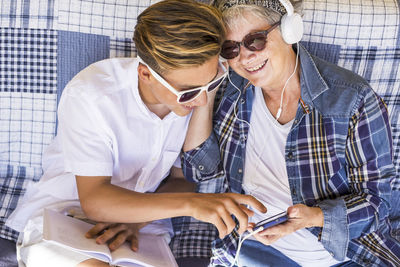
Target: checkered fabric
pixel 28 97
pixel 14 180
pixel 43 44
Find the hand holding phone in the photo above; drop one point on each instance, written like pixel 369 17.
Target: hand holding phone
pixel 271 221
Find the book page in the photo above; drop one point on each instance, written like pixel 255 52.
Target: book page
pixel 153 251
pixel 69 232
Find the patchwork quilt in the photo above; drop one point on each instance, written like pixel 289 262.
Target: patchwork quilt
pixel 44 43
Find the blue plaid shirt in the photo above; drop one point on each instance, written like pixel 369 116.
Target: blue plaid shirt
pixel 338 157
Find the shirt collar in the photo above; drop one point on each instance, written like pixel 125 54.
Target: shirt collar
pixel 312 83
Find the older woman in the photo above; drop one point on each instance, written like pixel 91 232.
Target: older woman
pixel 303 136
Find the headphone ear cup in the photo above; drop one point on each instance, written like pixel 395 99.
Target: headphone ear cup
pixel 292 28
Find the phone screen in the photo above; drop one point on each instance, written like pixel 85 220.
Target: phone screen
pixel 271 221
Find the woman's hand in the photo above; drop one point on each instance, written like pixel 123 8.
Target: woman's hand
pixel 300 216
pixel 218 208
pixel 115 234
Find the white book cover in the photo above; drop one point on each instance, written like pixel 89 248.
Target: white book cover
pixel 70 232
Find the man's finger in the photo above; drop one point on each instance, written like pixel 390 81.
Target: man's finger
pixel 241 216
pixel 109 234
pixel 134 242
pixel 228 221
pixel 249 200
pixel 246 210
pixel 118 241
pixel 95 230
pixel 221 227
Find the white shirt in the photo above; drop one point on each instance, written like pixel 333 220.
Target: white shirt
pixel 265 177
pixel 105 129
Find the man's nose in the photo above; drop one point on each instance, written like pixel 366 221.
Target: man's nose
pixel 201 100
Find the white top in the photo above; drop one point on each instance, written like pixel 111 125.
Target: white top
pixel 265 177
pixel 105 129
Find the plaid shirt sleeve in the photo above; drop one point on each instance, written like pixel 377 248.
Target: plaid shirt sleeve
pixel 370 171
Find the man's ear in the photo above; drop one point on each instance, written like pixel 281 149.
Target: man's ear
pixel 144 73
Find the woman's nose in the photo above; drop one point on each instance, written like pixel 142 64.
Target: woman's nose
pixel 246 56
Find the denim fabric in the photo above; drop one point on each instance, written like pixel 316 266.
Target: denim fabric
pixel 256 254
pixel 193 262
pixel 8 255
pixel 347 264
pixel 208 157
pixel 336 229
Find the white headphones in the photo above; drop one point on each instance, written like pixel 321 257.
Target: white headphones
pixel 291 24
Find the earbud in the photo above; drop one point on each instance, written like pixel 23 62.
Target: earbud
pixel 278 114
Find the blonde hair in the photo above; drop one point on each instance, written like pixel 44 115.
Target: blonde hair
pixel 174 34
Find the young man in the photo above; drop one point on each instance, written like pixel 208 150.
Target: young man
pixel 122 123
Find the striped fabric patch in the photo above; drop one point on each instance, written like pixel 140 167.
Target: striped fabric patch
pixel 38 14
pixel 116 19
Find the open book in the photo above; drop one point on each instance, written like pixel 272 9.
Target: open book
pixel 69 232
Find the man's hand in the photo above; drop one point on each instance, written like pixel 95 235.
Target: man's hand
pixel 115 234
pixel 300 216
pixel 218 208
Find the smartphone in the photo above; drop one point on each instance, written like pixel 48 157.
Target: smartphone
pixel 272 221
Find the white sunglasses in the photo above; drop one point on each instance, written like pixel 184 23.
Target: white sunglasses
pixel 191 94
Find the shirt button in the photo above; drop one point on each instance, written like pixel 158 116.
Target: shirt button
pixel 333 255
pixel 290 155
pixel 294 191
pixel 201 167
pixel 242 101
pixel 296 121
pixel 240 171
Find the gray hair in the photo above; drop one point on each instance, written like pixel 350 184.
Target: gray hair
pixel 269 10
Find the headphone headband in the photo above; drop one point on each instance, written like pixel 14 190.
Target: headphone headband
pixel 288 6
pixel 273 4
pixel 291 22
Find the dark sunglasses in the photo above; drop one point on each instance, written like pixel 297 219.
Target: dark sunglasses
pixel 254 41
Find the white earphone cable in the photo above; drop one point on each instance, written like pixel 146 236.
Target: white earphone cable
pixel 278 114
pixel 241 240
pixel 234 106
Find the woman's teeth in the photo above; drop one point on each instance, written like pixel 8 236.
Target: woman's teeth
pixel 257 67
